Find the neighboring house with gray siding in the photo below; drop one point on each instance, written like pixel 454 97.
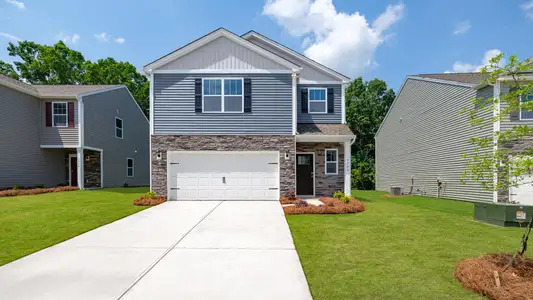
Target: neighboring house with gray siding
pixel 245 118
pixel 420 142
pixel 67 134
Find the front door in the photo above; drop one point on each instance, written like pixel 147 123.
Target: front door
pixel 73 171
pixel 304 174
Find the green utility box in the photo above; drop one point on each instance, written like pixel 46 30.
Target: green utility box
pixel 503 214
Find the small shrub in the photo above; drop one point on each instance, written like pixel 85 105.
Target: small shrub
pixel 290 195
pixel 301 203
pixel 345 198
pixel 150 194
pixel 39 186
pixel 62 184
pixel 331 206
pixel 338 195
pixel 18 187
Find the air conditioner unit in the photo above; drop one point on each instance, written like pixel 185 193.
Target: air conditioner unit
pixel 396 191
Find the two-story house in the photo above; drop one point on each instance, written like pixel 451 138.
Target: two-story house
pixel 246 118
pixel 81 135
pixel 423 136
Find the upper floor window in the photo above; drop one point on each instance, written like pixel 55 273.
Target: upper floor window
pixel 317 103
pixel 332 161
pixel 59 114
pixel 130 167
pixel 526 114
pixel 118 128
pixel 223 95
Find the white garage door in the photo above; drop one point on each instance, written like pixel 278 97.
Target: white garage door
pixel 221 175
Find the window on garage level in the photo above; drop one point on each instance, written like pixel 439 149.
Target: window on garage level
pixel 317 101
pixel 130 167
pixel 223 95
pixel 332 161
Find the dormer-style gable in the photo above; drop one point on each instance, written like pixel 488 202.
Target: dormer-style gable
pixel 221 50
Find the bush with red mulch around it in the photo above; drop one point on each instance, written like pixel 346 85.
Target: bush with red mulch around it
pixel 36 191
pixel 331 206
pixel 477 274
pixel 149 199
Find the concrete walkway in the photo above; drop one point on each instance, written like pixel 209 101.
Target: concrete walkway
pixel 177 250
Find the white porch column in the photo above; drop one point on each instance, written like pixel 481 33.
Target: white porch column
pixel 80 160
pixel 348 168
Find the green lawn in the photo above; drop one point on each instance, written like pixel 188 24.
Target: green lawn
pixel 400 248
pixel 32 223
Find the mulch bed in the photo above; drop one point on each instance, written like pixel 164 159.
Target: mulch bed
pixel 149 201
pixel 477 274
pixel 23 192
pixel 331 206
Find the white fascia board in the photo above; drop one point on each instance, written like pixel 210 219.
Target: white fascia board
pixel 211 37
pixel 298 55
pixel 218 71
pixel 58 146
pixel 304 81
pixel 420 79
pixel 323 138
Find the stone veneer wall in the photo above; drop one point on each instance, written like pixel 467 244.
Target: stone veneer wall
pixel 515 147
pixel 282 143
pixel 92 169
pixel 325 185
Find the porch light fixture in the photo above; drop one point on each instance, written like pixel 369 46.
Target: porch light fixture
pixel 87 158
pixel 286 155
pixel 158 156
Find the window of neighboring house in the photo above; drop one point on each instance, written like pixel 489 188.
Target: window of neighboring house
pixel 59 114
pixel 223 95
pixel 130 167
pixel 317 102
pixel 118 128
pixel 526 114
pixel 332 163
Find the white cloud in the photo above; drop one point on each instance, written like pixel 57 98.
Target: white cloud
pixel 18 4
pixel 462 27
pixel 120 40
pixel 528 9
pixel 460 67
pixel 10 37
pixel 342 41
pixel 68 39
pixel 103 37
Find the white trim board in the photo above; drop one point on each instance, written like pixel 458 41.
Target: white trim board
pixel 323 138
pixel 217 71
pixel 221 32
pixel 296 173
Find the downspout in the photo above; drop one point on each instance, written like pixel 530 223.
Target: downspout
pixel 151 105
pixel 294 99
pixel 79 150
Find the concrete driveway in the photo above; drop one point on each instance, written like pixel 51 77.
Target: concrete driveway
pixel 177 250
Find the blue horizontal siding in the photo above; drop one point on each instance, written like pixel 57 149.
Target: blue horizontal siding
pixel 330 118
pixel 174 111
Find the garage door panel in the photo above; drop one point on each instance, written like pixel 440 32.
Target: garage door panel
pixel 224 175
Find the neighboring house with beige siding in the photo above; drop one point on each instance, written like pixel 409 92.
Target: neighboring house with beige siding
pixel 422 138
pixel 81 135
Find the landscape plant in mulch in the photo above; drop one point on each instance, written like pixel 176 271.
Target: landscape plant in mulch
pixel 493 276
pixel 289 198
pixel 149 199
pixel 331 206
pixel 35 191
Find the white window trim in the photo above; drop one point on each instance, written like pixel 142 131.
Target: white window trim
pixel 132 167
pixel 520 111
pixel 336 161
pixel 222 95
pixel 54 114
pixel 317 101
pixel 122 129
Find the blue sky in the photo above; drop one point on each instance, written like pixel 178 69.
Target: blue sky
pixel 419 36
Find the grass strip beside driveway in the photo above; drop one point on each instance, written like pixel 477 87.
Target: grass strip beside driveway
pixel 31 223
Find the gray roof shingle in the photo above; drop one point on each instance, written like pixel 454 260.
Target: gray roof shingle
pixel 324 129
pixel 469 78
pixel 55 90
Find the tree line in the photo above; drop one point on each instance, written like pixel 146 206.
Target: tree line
pixel 366 102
